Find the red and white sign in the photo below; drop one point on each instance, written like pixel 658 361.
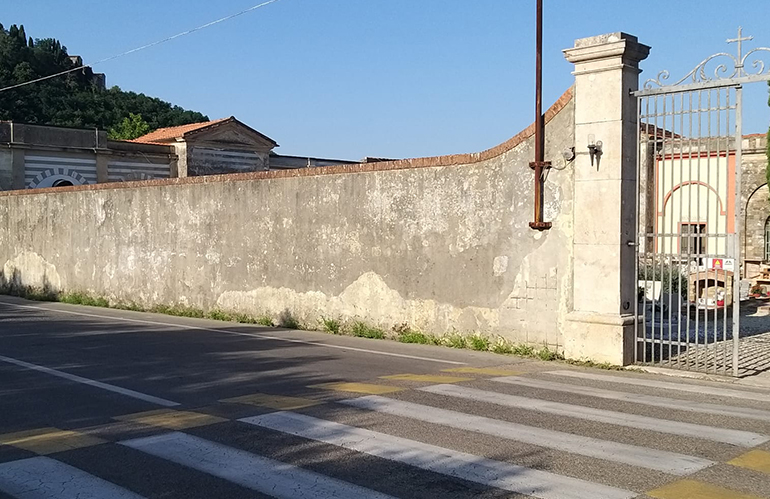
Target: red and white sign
pixel 721 264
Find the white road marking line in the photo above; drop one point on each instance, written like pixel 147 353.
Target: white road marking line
pixel 448 462
pixel 728 436
pixel 45 478
pixel 90 382
pixel 258 336
pixel 640 398
pixel 274 478
pixel 659 460
pixel 680 387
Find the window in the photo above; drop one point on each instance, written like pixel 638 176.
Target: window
pixel 767 240
pixel 62 183
pixel 693 239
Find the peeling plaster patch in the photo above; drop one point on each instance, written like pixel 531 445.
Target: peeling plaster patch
pixel 368 298
pixel 30 269
pixel 100 212
pixel 552 206
pixel 500 265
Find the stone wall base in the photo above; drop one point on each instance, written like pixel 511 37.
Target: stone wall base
pixel 600 338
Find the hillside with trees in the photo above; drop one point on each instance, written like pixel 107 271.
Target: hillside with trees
pixel 75 99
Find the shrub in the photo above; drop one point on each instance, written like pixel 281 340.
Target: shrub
pixel 672 277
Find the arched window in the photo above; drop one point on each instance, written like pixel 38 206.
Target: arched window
pixel 62 183
pixel 767 240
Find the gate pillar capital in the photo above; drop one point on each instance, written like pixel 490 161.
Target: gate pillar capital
pixel 601 324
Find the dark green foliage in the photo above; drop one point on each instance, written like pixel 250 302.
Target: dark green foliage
pixel 673 278
pixel 72 99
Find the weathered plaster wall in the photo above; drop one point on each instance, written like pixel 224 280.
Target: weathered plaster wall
pixel 439 243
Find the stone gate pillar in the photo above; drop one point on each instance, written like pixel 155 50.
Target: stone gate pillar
pixel 601 325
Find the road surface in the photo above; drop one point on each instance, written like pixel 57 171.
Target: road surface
pixel 99 403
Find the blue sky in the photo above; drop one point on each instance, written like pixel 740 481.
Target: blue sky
pixel 391 78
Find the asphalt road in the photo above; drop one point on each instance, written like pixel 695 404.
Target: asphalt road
pixel 98 403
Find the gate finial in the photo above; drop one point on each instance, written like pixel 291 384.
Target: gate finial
pixel 740 41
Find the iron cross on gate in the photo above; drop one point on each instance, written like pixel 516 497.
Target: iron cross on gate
pixel 740 41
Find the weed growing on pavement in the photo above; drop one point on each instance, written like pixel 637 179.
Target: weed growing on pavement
pixel 245 319
pixel 331 326
pixel 402 333
pixel 179 311
pixel 523 350
pixel 501 346
pixel 265 320
pixel 364 330
pixel 479 343
pixel 455 340
pixel 406 334
pixel 133 307
pixel 597 365
pixel 219 315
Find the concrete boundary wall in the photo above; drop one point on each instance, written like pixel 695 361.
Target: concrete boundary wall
pixel 440 243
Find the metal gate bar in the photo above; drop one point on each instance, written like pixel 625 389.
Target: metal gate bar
pixel 685 326
pixel 689 213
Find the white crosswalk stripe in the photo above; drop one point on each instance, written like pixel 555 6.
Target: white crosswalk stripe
pixel 457 464
pixel 667 385
pixel 618 470
pixel 45 478
pixel 640 398
pixel 734 437
pixel 274 478
pixel 669 462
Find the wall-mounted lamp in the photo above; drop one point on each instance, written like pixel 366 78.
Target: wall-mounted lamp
pixel 594 149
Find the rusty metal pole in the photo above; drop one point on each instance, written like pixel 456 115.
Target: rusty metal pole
pixel 539 165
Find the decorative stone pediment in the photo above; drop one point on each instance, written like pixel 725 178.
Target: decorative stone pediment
pixel 230 135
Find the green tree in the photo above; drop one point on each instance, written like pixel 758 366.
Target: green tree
pixel 73 100
pixel 131 127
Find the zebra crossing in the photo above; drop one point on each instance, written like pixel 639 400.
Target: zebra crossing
pixel 483 433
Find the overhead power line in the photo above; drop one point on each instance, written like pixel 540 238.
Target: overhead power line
pixel 178 35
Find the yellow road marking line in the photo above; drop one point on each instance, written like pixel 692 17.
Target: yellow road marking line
pixel 174 420
pixel 49 440
pixel 278 402
pixel 366 388
pixel 490 371
pixel 690 489
pixel 757 460
pixel 427 378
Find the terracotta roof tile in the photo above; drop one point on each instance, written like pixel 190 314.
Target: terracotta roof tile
pixel 171 133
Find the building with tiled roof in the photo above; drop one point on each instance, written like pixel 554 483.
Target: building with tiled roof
pixel 215 147
pixel 34 156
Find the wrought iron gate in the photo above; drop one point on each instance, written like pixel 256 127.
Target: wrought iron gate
pixel 689 206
